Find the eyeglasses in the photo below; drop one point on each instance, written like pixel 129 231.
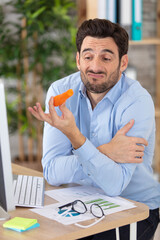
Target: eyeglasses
pixel 80 207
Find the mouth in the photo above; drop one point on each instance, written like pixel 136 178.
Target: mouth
pixel 96 75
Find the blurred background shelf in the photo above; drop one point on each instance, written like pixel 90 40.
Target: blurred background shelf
pixel 146 41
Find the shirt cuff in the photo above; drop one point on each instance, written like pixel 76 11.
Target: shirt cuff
pixel 86 152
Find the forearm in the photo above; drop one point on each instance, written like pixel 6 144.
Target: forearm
pixel 60 166
pixel 62 170
pixel 76 138
pixel 108 175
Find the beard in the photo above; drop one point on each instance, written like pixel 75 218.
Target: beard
pixel 95 87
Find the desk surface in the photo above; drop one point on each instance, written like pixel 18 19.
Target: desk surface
pixel 52 230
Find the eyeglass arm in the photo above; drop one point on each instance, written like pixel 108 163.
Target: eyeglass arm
pixel 65 205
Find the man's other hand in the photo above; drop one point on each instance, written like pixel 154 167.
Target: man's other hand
pixel 124 149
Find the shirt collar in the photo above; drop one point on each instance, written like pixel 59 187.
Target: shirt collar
pixel 115 92
pixel 82 90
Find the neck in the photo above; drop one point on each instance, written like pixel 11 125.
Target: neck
pixel 95 98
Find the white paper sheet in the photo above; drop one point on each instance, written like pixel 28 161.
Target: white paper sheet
pixel 108 204
pixel 73 193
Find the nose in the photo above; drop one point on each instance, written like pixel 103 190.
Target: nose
pixel 96 65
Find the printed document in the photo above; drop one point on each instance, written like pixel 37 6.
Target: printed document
pixel 89 195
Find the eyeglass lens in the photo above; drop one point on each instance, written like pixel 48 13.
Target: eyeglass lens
pixel 96 210
pixel 79 206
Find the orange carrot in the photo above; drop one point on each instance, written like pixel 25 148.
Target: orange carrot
pixel 61 98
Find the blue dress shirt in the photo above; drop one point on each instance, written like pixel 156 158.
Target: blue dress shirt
pixel 87 165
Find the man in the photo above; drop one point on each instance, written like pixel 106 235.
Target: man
pixel 98 136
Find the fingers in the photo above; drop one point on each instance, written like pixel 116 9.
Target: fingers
pixel 65 111
pixel 44 117
pixel 38 113
pixel 52 110
pixel 126 128
pixel 139 148
pixel 34 112
pixel 136 160
pixel 137 155
pixel 138 141
pixel 134 157
pixel 141 141
pixel 63 107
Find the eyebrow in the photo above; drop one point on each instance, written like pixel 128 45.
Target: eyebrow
pixel 91 50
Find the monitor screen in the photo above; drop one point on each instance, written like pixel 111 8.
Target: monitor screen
pixel 6 179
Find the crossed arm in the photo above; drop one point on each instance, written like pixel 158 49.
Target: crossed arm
pixel 121 148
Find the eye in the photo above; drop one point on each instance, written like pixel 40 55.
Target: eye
pixel 106 59
pixel 87 58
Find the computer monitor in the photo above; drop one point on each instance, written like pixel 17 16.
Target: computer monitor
pixel 6 178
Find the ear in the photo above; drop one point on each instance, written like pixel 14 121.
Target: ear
pixel 78 60
pixel 124 63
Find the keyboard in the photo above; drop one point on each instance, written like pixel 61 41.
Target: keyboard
pixel 28 191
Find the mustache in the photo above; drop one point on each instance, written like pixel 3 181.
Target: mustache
pixel 99 72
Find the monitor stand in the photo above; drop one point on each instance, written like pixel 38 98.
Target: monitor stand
pixel 3 214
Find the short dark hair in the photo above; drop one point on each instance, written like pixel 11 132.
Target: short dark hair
pixel 101 28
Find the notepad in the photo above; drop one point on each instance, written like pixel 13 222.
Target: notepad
pixel 20 230
pixel 20 223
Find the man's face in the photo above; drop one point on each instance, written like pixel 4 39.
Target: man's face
pixel 99 64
